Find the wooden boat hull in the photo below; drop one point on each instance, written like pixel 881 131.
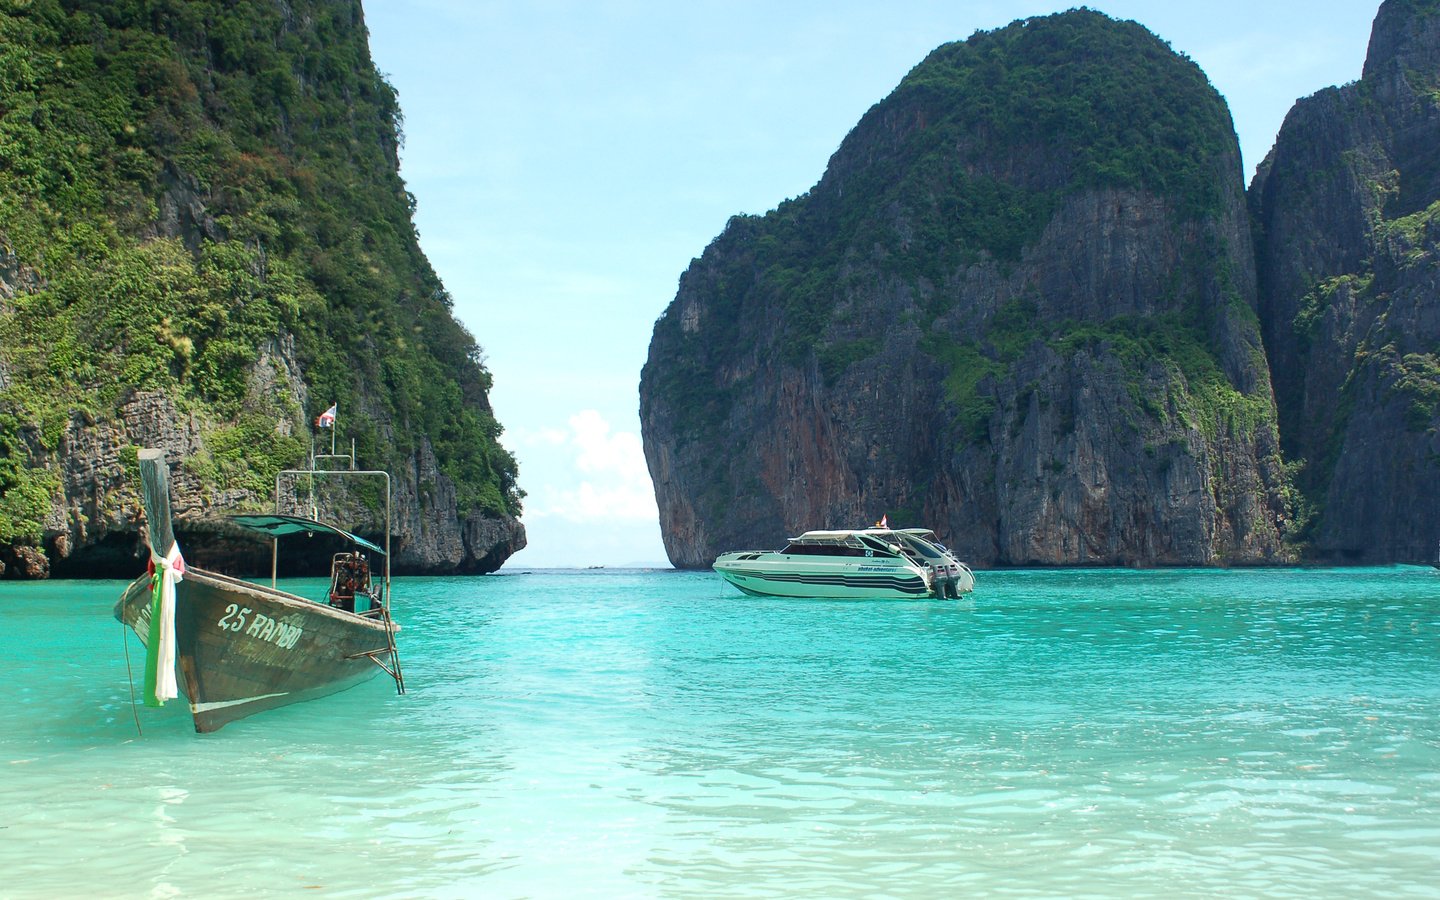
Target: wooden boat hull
pixel 243 648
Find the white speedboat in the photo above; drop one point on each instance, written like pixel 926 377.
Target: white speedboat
pixel 870 562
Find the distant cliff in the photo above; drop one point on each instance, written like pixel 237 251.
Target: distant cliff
pixel 1019 307
pixel 204 242
pixel 1347 212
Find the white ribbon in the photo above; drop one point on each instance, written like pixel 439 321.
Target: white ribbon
pixel 171 570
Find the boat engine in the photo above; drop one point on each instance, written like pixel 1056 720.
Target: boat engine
pixel 941 584
pixel 350 577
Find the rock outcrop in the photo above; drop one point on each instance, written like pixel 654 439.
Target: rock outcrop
pixel 1018 308
pixel 1347 212
pixel 95 527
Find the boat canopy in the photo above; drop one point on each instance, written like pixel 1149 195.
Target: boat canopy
pixel 861 540
pixel 927 534
pixel 917 541
pixel 853 537
pixel 274 525
pixel 849 538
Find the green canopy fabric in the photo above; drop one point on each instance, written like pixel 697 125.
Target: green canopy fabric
pixel 273 525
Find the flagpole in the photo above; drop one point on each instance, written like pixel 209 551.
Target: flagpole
pixel 334 427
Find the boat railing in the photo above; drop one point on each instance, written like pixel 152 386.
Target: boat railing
pixel 314 472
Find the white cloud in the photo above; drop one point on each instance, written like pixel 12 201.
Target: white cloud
pixel 610 480
pixel 601 451
pixel 543 437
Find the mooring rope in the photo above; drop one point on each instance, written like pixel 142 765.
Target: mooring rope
pixel 130 676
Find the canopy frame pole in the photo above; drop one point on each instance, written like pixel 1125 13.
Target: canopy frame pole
pixel 394 669
pixel 283 473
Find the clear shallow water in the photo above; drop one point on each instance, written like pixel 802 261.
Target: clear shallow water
pixel 657 734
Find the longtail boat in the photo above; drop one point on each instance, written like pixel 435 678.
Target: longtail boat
pixel 243 647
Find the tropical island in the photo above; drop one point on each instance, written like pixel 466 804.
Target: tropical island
pixel 1032 305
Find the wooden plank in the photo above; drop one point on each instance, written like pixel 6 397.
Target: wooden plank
pixel 155 490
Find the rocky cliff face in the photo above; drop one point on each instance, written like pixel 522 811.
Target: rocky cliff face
pixel 1018 308
pixel 1347 211
pixel 204 241
pixel 94 526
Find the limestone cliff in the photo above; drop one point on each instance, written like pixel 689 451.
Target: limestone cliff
pixel 1018 308
pixel 1347 212
pixel 204 242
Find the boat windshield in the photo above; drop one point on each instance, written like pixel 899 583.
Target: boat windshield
pixel 923 547
pixel 822 550
pixel 879 546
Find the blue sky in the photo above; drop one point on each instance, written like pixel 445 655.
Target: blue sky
pixel 570 158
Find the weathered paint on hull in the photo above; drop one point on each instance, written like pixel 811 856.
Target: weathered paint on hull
pixel 244 648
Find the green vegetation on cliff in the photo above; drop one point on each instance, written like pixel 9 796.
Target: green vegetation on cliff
pixel 965 163
pixel 991 133
pixel 186 186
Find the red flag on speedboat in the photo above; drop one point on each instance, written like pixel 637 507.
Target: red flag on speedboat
pixel 327 418
pixel 884 522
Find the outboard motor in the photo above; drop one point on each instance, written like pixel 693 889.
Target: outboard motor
pixel 940 582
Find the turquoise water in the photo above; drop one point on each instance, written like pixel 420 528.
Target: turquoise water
pixel 657 734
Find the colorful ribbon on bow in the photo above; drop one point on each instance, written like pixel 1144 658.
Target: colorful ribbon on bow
pixel 160 648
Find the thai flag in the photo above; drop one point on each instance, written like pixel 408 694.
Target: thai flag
pixel 327 418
